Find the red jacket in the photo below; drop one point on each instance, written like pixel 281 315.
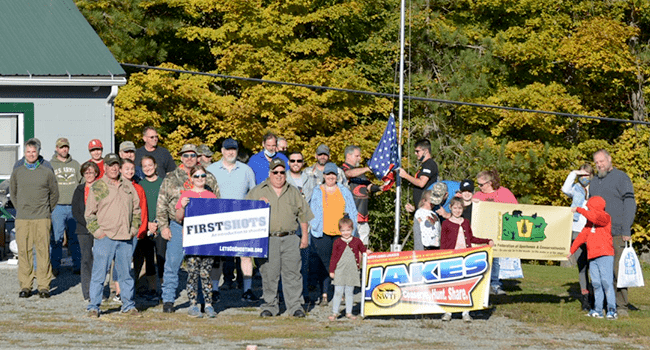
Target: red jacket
pixel 597 233
pixel 339 246
pixel 449 235
pixel 142 230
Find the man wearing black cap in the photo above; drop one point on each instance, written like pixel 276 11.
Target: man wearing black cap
pixel 235 180
pixel 288 210
pixel 314 173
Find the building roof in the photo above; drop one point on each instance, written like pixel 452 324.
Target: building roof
pixel 50 38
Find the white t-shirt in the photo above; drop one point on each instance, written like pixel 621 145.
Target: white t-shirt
pixel 429 227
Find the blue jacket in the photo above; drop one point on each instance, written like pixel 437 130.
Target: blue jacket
pixel 316 224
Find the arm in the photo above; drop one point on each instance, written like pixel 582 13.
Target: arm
pixel 350 173
pixel 144 212
pixel 337 251
pixel 418 182
pixel 350 207
pixel 136 221
pixel 13 188
pixel 417 234
pixel 629 206
pixel 317 209
pixel 170 164
pixel 162 204
pixel 567 187
pixel 78 205
pixel 304 240
pixel 472 239
pixel 580 240
pixel 600 219
pixel 54 190
pixel 92 206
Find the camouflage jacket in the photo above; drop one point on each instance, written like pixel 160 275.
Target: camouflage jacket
pixel 113 210
pixel 174 183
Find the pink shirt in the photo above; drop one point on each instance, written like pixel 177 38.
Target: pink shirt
pixel 192 194
pixel 502 195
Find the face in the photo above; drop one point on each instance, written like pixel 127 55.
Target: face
pixel 466 195
pixel 31 154
pixel 295 163
pixel 322 158
pixel 151 138
pixel 128 155
pixel 127 170
pixel 96 154
pixel 456 210
pixel 330 179
pixel 282 145
pixel 198 179
pixel 270 145
pixel 63 151
pixel 148 167
pixel 204 160
pixel 603 163
pixel 346 231
pixel 419 153
pixel 188 159
pixel 354 158
pixel 112 171
pixel 484 184
pixel 277 177
pixel 90 175
pixel 229 155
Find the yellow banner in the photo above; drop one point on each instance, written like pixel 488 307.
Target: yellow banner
pixel 537 232
pixel 426 282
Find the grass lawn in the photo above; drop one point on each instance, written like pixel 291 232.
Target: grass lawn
pixel 547 295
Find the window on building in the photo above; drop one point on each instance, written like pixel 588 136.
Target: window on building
pixel 11 142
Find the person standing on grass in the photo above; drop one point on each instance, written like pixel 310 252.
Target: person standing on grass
pixel 579 192
pixel 198 267
pixel 112 217
pixel 597 234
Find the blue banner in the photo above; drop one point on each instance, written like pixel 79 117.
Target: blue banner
pixel 226 227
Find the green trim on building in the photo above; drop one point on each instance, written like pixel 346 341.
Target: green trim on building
pixel 27 109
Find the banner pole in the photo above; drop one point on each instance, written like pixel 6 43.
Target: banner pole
pixel 396 247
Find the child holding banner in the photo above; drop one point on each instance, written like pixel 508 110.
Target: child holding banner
pixel 457 234
pixel 426 225
pixel 597 234
pixel 197 266
pixel 344 268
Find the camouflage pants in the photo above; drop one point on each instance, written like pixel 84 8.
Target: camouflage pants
pixel 199 267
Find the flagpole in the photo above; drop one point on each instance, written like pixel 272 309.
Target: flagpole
pixel 396 247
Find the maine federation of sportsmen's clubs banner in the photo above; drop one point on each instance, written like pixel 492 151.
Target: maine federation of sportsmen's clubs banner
pixel 226 227
pixel 537 232
pixel 426 282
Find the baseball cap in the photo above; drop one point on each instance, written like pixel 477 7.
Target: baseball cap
pixel 276 162
pixel 127 146
pixel 188 147
pixel 61 142
pixel 323 149
pixel 330 168
pixel 111 159
pixel 203 149
pixel 95 144
pixel 229 144
pixel 438 192
pixel 467 185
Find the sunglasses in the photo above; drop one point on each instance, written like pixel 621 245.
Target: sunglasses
pixel 482 184
pixel 295 160
pixel 196 176
pixel 189 155
pixel 278 172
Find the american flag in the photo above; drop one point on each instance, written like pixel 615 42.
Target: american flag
pixel 385 157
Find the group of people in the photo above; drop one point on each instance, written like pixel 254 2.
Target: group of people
pixel 129 207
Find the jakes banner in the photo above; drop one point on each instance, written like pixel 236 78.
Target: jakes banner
pixel 537 232
pixel 426 282
pixel 226 227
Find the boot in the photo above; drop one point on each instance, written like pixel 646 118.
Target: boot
pixel 584 299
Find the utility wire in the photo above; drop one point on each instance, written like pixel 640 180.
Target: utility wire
pixel 411 98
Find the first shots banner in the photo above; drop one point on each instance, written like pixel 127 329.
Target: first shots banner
pixel 536 232
pixel 226 227
pixel 426 282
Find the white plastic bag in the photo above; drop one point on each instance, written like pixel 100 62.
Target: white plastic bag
pixel 510 268
pixel 629 269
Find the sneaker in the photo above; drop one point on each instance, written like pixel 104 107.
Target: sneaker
pixel 249 296
pixel 25 293
pixel 497 291
pixel 168 308
pixel 266 313
pixel 92 313
pixel 117 298
pixel 133 312
pixel 194 311
pixel 467 318
pixel 216 296
pixel 209 311
pixel 595 314
pixel 299 314
pixel 611 315
pixel 44 293
pixel 446 317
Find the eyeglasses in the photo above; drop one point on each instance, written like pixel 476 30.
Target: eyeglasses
pixel 153 137
pixel 189 155
pixel 295 160
pixel 196 176
pixel 278 172
pixel 482 184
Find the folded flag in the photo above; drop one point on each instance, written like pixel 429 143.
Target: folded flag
pixel 385 158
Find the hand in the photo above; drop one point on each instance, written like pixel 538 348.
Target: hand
pixel 581 172
pixel 152 227
pixel 166 233
pixel 491 243
pixel 443 213
pixel 574 209
pixel 184 201
pixel 569 256
pixel 402 173
pixel 304 241
pixel 331 274
pixel 101 236
pixel 626 238
pixel 409 207
pixel 475 200
pixel 264 199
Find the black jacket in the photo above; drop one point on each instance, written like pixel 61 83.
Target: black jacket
pixel 79 208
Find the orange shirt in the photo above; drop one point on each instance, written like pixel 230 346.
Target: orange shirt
pixel 333 209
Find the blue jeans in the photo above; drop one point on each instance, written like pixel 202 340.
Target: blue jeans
pixel 61 219
pixel 104 251
pixel 495 283
pixel 173 259
pixel 601 271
